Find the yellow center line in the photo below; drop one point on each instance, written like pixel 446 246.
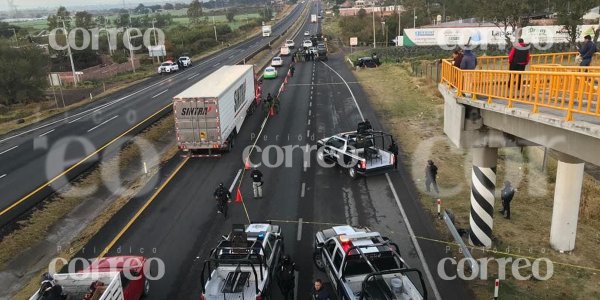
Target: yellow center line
pixel 79 163
pixel 141 210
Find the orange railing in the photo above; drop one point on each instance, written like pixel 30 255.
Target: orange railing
pixel 567 92
pixel 501 62
pixel 560 68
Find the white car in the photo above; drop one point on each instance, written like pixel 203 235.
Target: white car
pixel 185 61
pixel 290 44
pixel 277 62
pixel 307 44
pixel 168 67
pixel 307 33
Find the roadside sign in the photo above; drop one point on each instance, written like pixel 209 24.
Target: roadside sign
pixel 158 50
pixel 353 41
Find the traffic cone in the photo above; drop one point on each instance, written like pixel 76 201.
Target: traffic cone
pixel 271 112
pixel 238 196
pixel 285 81
pixel 282 89
pixel 247 165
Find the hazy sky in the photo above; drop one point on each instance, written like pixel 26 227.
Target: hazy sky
pixel 28 4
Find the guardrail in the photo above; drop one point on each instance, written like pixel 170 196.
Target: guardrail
pixel 565 92
pixel 564 58
pixel 560 68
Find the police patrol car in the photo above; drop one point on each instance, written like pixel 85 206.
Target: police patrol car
pixel 243 265
pixel 365 265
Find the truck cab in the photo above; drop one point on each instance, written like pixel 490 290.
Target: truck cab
pixel 243 265
pixel 362 264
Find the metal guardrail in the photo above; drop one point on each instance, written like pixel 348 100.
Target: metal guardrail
pixel 567 93
pixel 458 239
pixel 563 58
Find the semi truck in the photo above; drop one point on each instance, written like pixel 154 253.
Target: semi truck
pixel 266 30
pixel 313 18
pixel 210 113
pixel 109 278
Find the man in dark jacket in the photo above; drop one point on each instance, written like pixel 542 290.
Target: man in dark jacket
pixel 257 182
pixel 318 292
pixel 286 277
pixel 518 58
pixel 430 176
pixel 507 195
pixel 457 57
pixel 469 60
pixel 394 150
pixel 587 51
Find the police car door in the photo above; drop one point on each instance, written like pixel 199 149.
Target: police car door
pixel 328 253
pixel 334 147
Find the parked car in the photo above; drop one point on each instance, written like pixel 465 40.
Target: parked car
pixel 307 44
pixel 270 73
pixel 168 67
pixel 284 51
pixel 185 61
pixel 290 44
pixel 307 33
pixel 367 62
pixel 277 62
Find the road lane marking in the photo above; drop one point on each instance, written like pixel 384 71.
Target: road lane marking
pixel 96 127
pixel 349 89
pixel 414 239
pixel 310 104
pixel 2 176
pixel 141 210
pixel 299 236
pixel 303 190
pixel 216 65
pixel 308 122
pixel 73 121
pixel 160 93
pixel 15 147
pixel 235 180
pixel 309 112
pixel 191 77
pixel 307 133
pixel 49 131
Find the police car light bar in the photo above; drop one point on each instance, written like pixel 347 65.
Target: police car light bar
pixel 359 236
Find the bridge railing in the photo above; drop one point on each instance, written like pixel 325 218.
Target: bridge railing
pixel 560 68
pixel 564 92
pixel 563 58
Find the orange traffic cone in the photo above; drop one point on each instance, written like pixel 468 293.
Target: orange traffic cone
pixel 247 165
pixel 238 196
pixel 282 89
pixel 285 81
pixel 271 112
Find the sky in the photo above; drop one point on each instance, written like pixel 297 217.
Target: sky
pixel 32 4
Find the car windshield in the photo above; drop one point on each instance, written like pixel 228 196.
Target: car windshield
pixel 166 64
pixel 276 59
pixel 269 69
pixel 355 265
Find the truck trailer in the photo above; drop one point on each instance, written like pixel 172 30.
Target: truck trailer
pixel 210 113
pixel 266 30
pixel 313 18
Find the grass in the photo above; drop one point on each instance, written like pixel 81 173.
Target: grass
pixel 413 109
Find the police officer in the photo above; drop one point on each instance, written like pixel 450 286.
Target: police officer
pixel 507 194
pixel 257 182
pixel 319 292
pixel 286 277
pixel 222 196
pixel 431 176
pixel 292 69
pixel 394 150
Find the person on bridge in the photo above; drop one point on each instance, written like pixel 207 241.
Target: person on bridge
pixel 587 51
pixel 469 60
pixel 223 196
pixel 318 292
pixel 286 277
pixel 507 194
pixel 257 182
pixel 518 58
pixel 430 176
pixel 457 57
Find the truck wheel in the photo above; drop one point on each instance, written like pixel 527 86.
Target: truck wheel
pixel 352 172
pixel 146 287
pixel 318 260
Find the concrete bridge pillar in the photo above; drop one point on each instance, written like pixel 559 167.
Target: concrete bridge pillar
pixel 483 186
pixel 567 196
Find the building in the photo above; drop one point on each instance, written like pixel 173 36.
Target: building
pixel 380 10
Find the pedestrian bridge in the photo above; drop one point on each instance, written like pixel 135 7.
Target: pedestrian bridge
pixel 554 103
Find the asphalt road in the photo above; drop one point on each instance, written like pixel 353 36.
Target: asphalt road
pixel 32 160
pixel 180 225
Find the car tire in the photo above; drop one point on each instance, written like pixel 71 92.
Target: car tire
pixel 318 260
pixel 352 172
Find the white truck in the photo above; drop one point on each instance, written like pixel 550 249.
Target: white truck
pixel 109 278
pixel 210 113
pixel 313 18
pixel 266 30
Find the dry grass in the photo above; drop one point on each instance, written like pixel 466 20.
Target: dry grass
pixel 413 109
pixel 36 227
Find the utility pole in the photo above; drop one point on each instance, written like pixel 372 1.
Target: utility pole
pixel 155 41
pixel 15 36
pixel 69 51
pixel 215 28
pixel 414 17
pixel 130 49
pixel 374 39
pixel 383 32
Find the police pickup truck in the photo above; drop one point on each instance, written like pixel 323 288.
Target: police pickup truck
pixel 365 265
pixel 243 264
pixel 361 152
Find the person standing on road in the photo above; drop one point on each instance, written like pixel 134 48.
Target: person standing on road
pixel 394 150
pixel 286 277
pixel 430 176
pixel 587 51
pixel 318 292
pixel 257 182
pixel 518 58
pixel 292 69
pixel 223 196
pixel 507 195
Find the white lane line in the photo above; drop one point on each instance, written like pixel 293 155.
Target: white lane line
pixel 308 133
pixel 96 127
pixel 216 65
pixel 2 176
pixel 310 104
pixel 299 237
pixel 309 112
pixel 73 121
pixel 160 93
pixel 414 239
pixel 235 180
pixel 349 89
pixel 296 284
pixel 231 56
pixel 308 122
pixel 15 147
pixel 303 190
pixel 191 77
pixel 43 134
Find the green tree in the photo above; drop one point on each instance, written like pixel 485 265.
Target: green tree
pixel 55 21
pixel 230 15
pixel 24 72
pixel 168 6
pixel 362 13
pixel 141 9
pixel 510 16
pixel 84 19
pixel 122 20
pixel 194 12
pixel 570 15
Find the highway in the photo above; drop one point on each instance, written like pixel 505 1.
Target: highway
pixel 179 224
pixel 33 160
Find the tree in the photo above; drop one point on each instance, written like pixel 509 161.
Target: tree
pixel 122 20
pixel 194 12
pixel 55 21
pixel 510 16
pixel 571 16
pixel 230 15
pixel 266 14
pixel 24 72
pixel 141 9
pixel 168 6
pixel 84 19
pixel 362 13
